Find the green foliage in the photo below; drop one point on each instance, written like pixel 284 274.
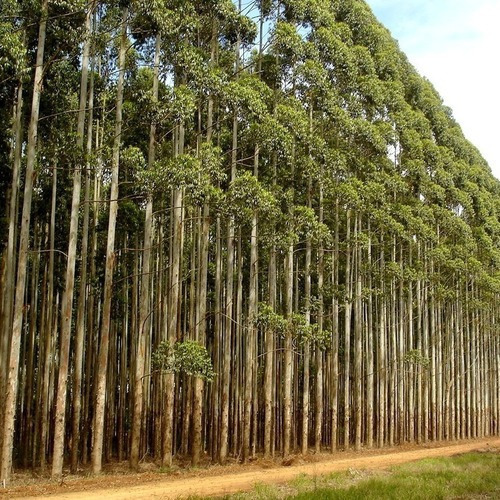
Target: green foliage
pixel 303 332
pixel 238 26
pixel 247 196
pixel 162 358
pixel 415 357
pixel 296 326
pixel 268 319
pixel 273 137
pixel 12 45
pixel 249 94
pixel 198 175
pixel 306 225
pixel 292 115
pixel 172 173
pixel 193 359
pixel 133 160
pixel 183 103
pixel 187 357
pixel 288 42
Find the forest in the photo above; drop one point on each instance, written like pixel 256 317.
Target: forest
pixel 232 229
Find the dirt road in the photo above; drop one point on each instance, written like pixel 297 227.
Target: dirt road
pixel 213 485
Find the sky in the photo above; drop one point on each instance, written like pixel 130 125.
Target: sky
pixel 455 44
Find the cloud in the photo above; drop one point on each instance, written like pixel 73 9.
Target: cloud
pixel 454 43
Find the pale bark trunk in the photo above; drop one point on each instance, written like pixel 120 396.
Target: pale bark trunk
pixel 358 342
pixel 145 296
pixel 228 319
pixel 400 353
pixel 102 362
pixel 48 328
pixel 288 355
pixel 411 368
pixel 319 351
pixel 10 253
pixel 67 301
pixel 335 335
pixel 381 358
pixel 347 335
pixel 175 295
pixel 269 358
pixel 418 291
pixel 307 348
pixel 12 377
pixel 369 352
pixel 201 311
pixel 82 300
pixel 251 332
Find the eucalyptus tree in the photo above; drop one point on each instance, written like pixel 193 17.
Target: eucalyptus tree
pixel 67 301
pixel 12 380
pixel 144 319
pixel 12 64
pixel 284 239
pixel 98 434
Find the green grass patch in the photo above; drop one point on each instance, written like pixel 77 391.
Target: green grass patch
pixel 472 475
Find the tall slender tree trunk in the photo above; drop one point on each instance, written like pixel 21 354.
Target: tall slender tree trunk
pixel 10 254
pixel 358 341
pixel 288 345
pixel 418 291
pixel 102 361
pixel 228 319
pixel 145 296
pixel 334 384
pixel 411 368
pixel 13 376
pixel 82 298
pixel 370 346
pixel 392 352
pixel 269 360
pixel 381 358
pixel 347 335
pixel 319 350
pixel 307 347
pixel 67 301
pixel 174 302
pixel 47 328
pixel 251 332
pixel 288 355
pixel 201 310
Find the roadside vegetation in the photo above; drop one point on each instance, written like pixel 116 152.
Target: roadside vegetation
pixel 472 475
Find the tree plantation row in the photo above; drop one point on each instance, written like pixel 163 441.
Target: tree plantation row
pixel 231 229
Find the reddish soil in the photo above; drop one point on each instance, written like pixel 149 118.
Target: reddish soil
pixel 217 480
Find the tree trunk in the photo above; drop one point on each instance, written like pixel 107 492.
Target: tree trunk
pixel 13 376
pixel 145 296
pixel 102 362
pixel 307 347
pixel 347 335
pixel 10 254
pixel 358 341
pixel 67 301
pixel 83 297
pixel 319 350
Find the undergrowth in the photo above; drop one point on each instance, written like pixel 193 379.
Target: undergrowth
pixel 472 475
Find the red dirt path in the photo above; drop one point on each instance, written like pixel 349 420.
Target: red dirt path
pixel 216 481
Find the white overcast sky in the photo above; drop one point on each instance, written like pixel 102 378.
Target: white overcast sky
pixel 456 45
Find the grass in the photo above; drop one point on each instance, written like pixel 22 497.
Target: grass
pixel 469 476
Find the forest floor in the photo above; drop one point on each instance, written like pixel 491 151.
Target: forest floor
pixel 215 480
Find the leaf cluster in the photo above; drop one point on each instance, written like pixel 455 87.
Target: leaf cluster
pixel 188 357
